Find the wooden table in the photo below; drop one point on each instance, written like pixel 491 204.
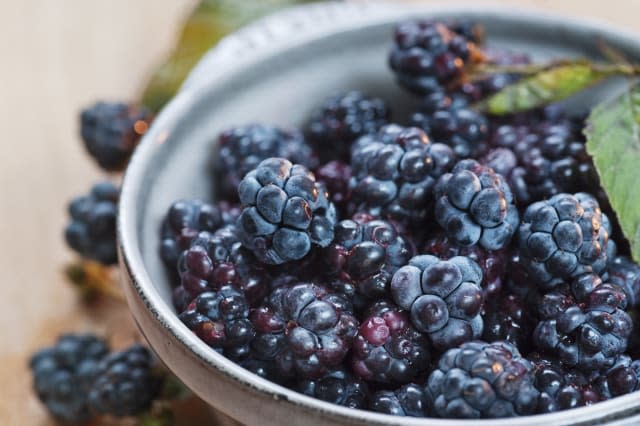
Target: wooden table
pixel 56 57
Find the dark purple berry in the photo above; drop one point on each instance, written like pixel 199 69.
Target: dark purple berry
pixel 408 400
pixel 338 387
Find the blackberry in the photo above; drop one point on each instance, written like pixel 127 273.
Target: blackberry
pixel 493 83
pixel 111 131
pixel 620 379
pixel 63 374
pixel 453 123
pixel 365 253
pixel 427 55
pixel 221 320
pixel 625 273
pixel 562 238
pixel 241 149
pixel 185 219
pixel 219 259
pixel 388 349
pixel 483 380
pixel 408 400
pixel 92 230
pixel 341 120
pixel 394 172
pixel 467 28
pixel 335 176
pixel 507 318
pixel 125 384
pixel 338 387
pixel 443 296
pixel 305 329
pixel 475 206
pixel 589 335
pixel 285 211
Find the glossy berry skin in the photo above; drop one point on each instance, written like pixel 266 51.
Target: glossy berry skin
pixel 125 384
pixel 394 172
pixel 483 380
pixel 408 400
pixel 185 219
pixel 427 55
pixel 218 259
pixel 562 238
pixel 305 329
pixel 341 120
pixel 507 317
pixel 63 374
pixel 365 253
pixel 111 131
pixel 625 273
pixel 92 229
pixel 588 336
pixel 620 379
pixel 335 176
pixel 338 387
pixel 284 212
pixel 474 205
pixel 443 297
pixel 388 349
pixel 242 148
pixel 221 320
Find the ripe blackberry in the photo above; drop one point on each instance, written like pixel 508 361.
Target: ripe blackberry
pixel 453 123
pixel 364 255
pixel 221 320
pixel 493 83
pixel 63 374
pixel 427 55
pixel 394 172
pixel 388 349
pixel 242 149
pixel 408 400
pixel 305 329
pixel 335 176
pixel 443 296
pixel 218 259
pixel 338 387
pixel 341 120
pixel 125 384
pixel 92 230
pixel 507 317
pixel 185 219
pixel 475 206
pixel 620 379
pixel 492 262
pixel 589 335
pixel 562 238
pixel 483 380
pixel 625 273
pixel 285 211
pixel 111 131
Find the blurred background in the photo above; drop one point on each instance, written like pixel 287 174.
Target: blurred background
pixel 57 57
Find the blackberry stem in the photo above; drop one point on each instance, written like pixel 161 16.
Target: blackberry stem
pixel 607 69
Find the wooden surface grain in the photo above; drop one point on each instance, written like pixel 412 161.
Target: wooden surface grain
pixel 57 56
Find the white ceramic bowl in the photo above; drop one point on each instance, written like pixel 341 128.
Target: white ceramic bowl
pixel 276 71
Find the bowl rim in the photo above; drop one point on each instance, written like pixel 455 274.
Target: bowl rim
pixel 262 45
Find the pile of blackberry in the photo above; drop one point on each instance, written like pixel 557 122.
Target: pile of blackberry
pixel 465 266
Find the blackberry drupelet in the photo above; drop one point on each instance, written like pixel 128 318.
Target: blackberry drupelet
pixel 285 211
pixel 507 317
pixel 338 387
pixel 335 176
pixel 427 55
pixel 620 379
pixel 92 229
pixel 625 273
pixel 125 384
pixel 443 296
pixel 590 335
pixel 341 120
pixel 305 329
pixel 221 320
pixel 63 374
pixel 394 173
pixel 111 131
pixel 483 380
pixel 388 349
pixel 241 149
pixel 364 255
pixel 408 400
pixel 475 206
pixel 562 238
pixel 185 219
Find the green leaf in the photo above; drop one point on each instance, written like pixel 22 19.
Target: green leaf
pixel 209 22
pixel 613 140
pixel 545 87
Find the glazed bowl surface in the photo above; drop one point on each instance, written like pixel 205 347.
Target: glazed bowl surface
pixel 276 71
